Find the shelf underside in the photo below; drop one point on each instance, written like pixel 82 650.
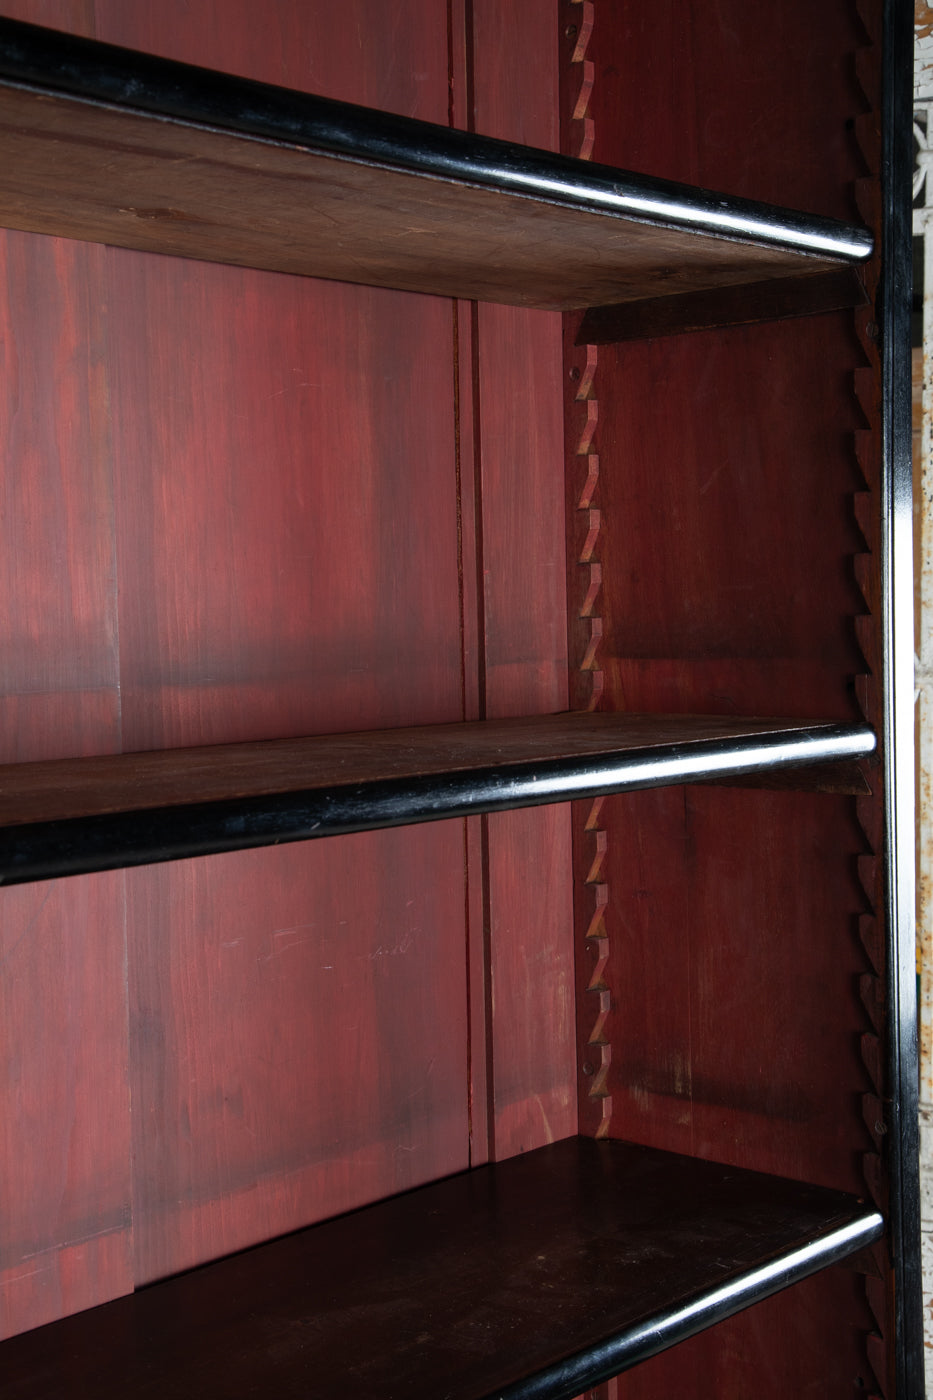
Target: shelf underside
pixel 72 816
pixel 536 1277
pixel 105 145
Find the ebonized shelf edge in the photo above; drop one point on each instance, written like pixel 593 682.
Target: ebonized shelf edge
pixel 445 1289
pixel 54 849
pixel 54 63
pixel 630 1348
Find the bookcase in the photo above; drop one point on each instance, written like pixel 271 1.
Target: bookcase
pixel 558 1260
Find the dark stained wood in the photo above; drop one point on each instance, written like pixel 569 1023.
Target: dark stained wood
pixel 778 300
pixel 71 788
pixel 521 1280
pixel 852 778
pixel 113 174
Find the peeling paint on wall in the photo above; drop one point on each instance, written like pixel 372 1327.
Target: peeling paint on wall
pixel 923 554
pixel 923 20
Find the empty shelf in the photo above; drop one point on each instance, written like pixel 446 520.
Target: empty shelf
pixel 536 1277
pixel 72 816
pixel 112 146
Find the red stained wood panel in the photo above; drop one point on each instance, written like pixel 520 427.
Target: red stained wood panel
pixel 72 16
pixel 733 929
pixel 391 55
pixel 287 498
pixel 778 1347
pixel 298 1037
pixel 673 86
pixel 738 469
pixel 66 1238
pixel 64 1098
pixel 59 692
pixel 518 388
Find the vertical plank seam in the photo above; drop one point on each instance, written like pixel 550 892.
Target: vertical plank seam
pixel 460 114
pixel 107 360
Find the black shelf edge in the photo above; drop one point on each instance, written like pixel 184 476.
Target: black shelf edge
pixel 901 1152
pixel 533 1278
pixel 53 63
pixel 52 849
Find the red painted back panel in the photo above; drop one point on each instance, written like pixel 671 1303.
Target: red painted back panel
pixel 65 1223
pixel 234 504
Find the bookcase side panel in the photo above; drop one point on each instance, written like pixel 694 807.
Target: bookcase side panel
pixel 731 539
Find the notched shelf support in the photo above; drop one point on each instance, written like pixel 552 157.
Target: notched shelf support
pixel 848 778
pixel 777 299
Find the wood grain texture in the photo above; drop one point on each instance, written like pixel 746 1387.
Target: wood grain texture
pixel 302 1047
pixel 65 1222
pixel 705 77
pixel 702 941
pixel 114 175
pixel 59 690
pixel 288 516
pixel 66 1240
pixel 763 415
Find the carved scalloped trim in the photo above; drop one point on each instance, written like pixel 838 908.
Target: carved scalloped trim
pixel 578 17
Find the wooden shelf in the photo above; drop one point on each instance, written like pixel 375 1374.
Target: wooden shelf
pixel 536 1277
pixel 71 816
pixel 107 145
